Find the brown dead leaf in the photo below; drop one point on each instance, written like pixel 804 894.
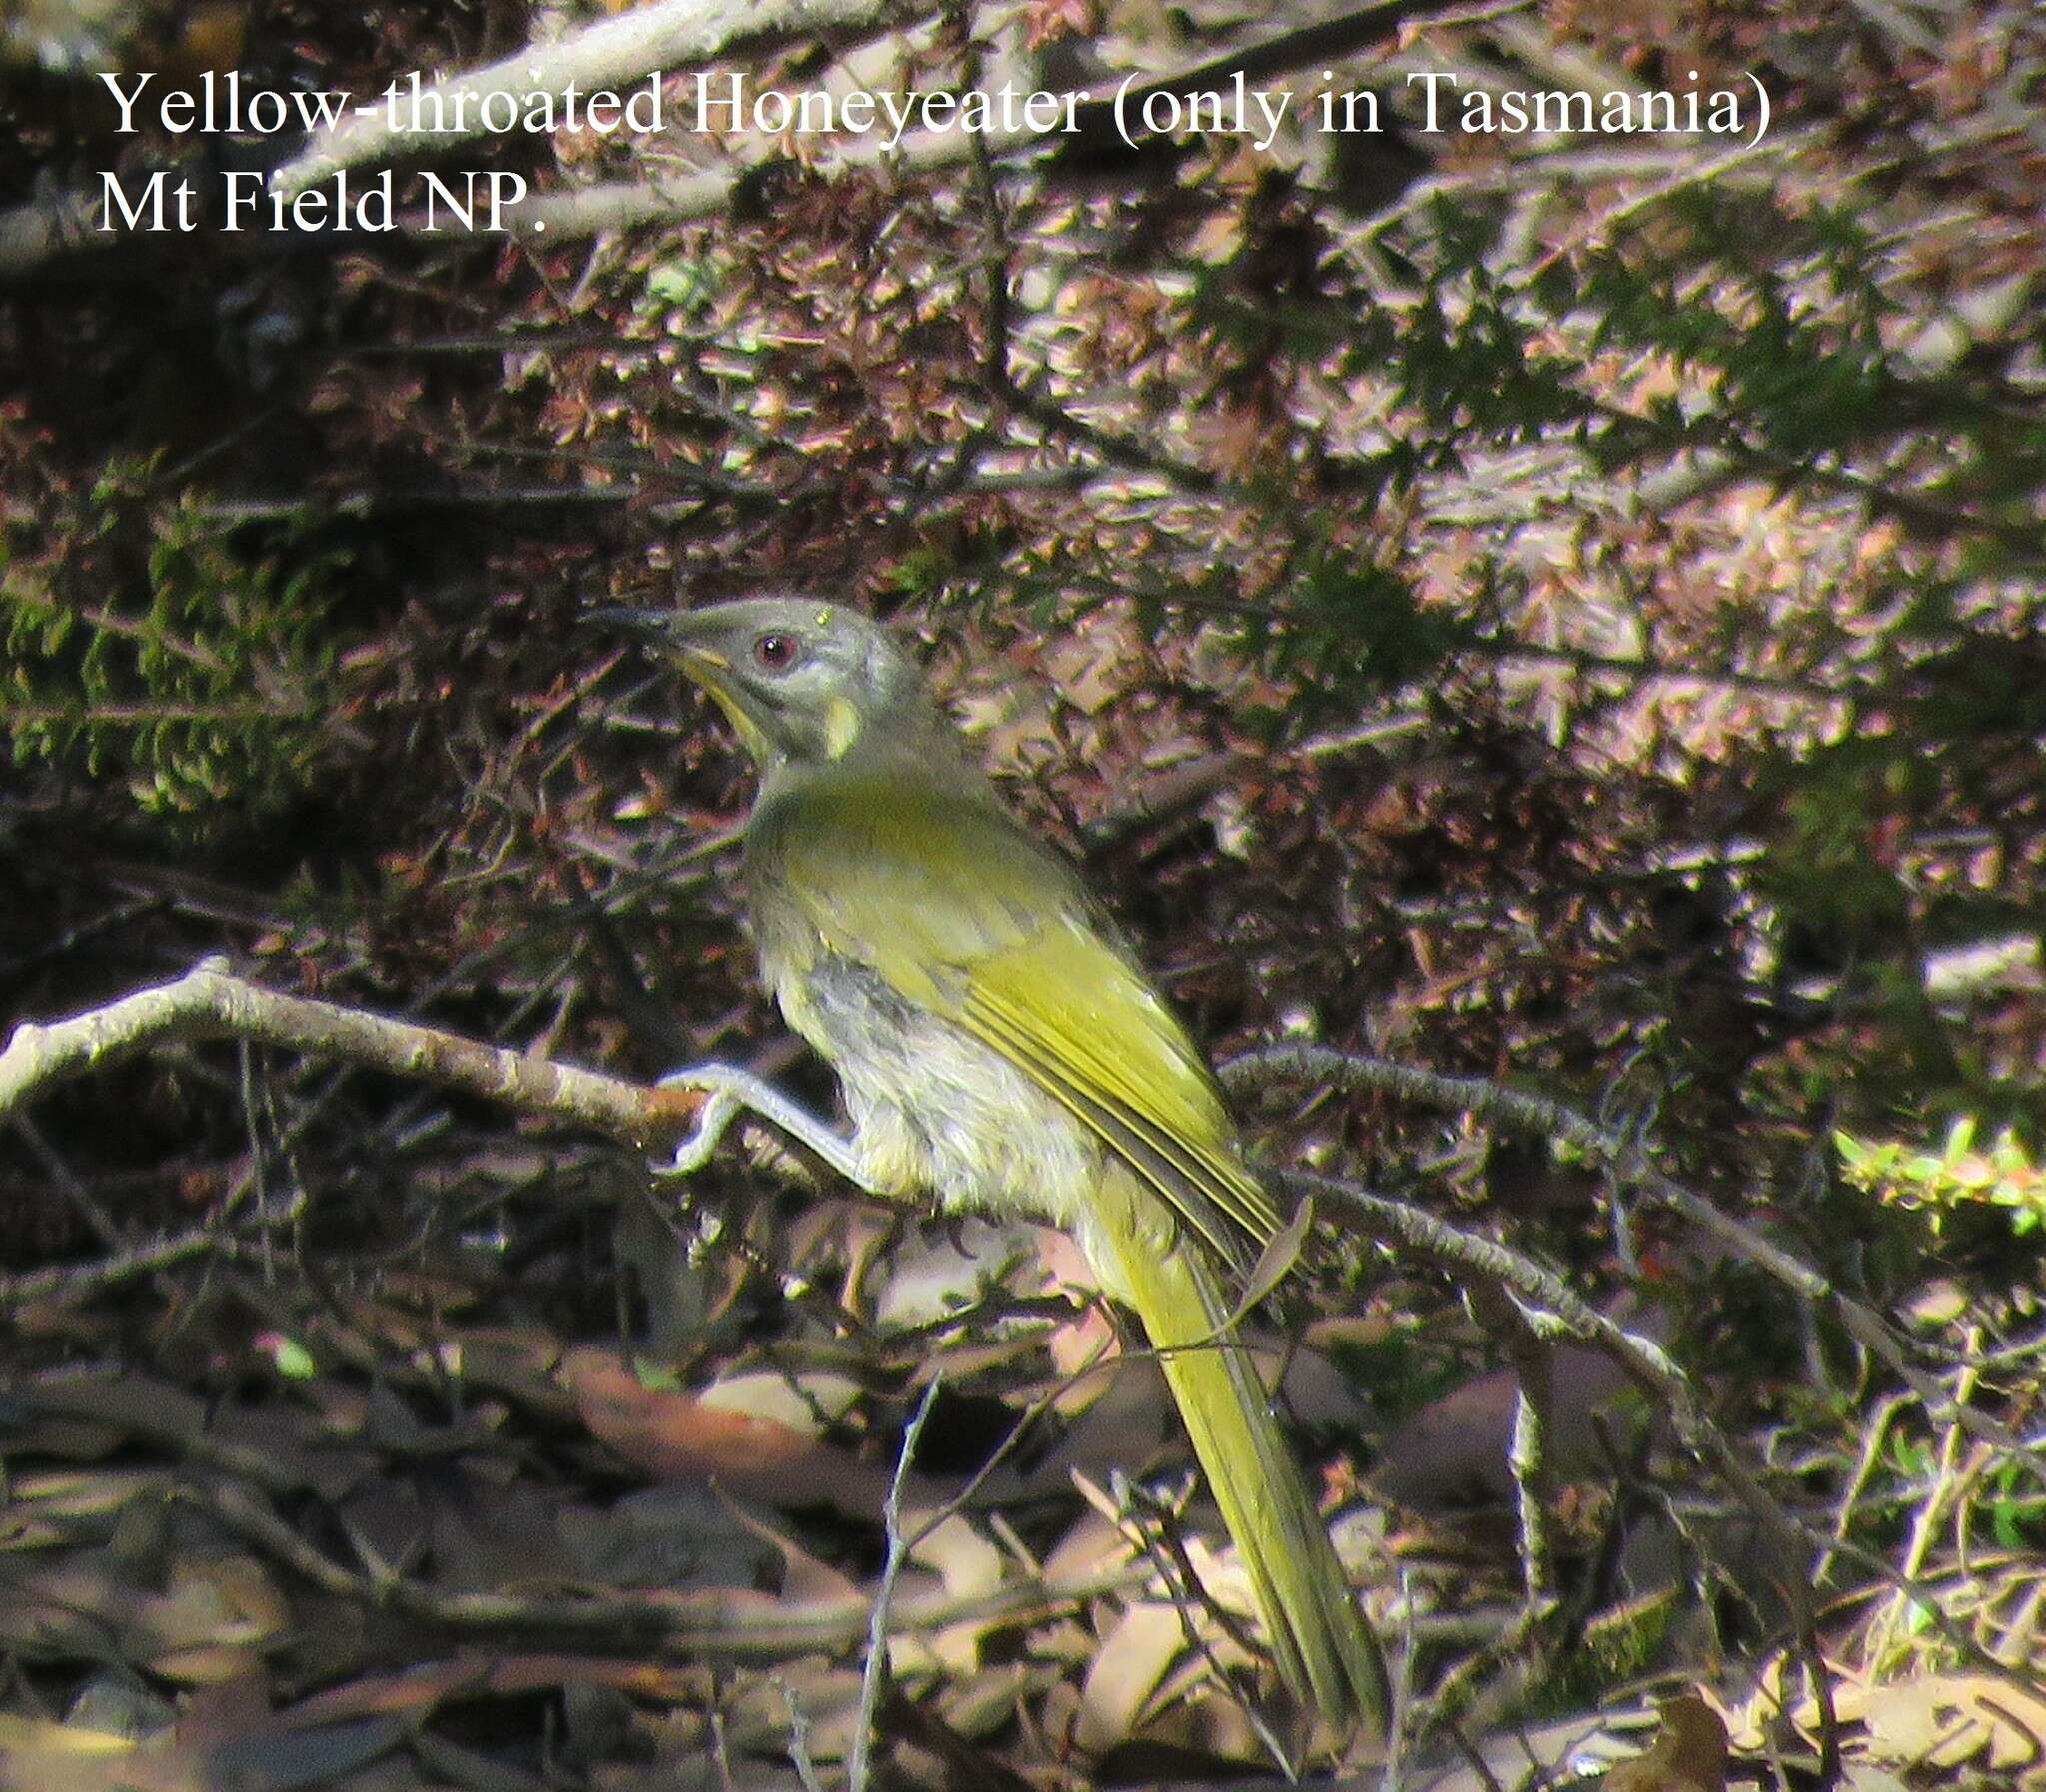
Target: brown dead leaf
pixel 479 1672
pixel 805 1402
pixel 1093 1545
pixel 39 1757
pixel 1944 1720
pixel 970 1568
pixel 1453 1452
pixel 211 1619
pixel 678 1436
pixel 757 1716
pixel 23 1736
pixel 1133 1661
pixel 1282 1251
pixel 1093 666
pixel 805 1578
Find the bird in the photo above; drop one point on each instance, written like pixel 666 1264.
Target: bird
pixel 998 1046
pixel 1688 1755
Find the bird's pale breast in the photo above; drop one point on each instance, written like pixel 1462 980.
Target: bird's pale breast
pixel 934 1109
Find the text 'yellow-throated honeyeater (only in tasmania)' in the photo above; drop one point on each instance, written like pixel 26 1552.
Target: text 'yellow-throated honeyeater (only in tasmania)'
pixel 998 1046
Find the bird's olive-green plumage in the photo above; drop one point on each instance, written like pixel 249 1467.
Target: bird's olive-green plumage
pixel 998 1044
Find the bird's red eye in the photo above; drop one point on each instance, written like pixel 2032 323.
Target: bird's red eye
pixel 776 652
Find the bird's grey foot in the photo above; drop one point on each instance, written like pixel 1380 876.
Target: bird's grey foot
pixel 730 1091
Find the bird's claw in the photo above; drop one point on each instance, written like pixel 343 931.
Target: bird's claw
pixel 718 1111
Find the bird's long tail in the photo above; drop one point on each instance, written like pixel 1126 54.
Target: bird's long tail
pixel 1321 1643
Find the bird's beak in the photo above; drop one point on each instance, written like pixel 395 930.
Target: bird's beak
pixel 646 625
pixel 665 631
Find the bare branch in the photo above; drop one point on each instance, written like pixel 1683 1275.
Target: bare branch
pixel 1566 1313
pixel 605 55
pixel 211 1003
pixel 1626 1157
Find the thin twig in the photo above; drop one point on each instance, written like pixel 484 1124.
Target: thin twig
pixel 1532 1360
pixel 1626 1157
pixel 798 1738
pixel 68 1284
pixel 1622 1155
pixel 874 1677
pixel 1562 1308
pixel 732 1622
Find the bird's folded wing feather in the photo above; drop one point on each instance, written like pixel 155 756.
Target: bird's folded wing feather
pixel 961 912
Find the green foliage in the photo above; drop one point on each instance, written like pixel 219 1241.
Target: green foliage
pixel 291 1358
pixel 1957 1174
pixel 1822 870
pixel 1470 355
pixel 1794 376
pixel 1353 627
pixel 685 286
pixel 196 674
pixel 2015 1506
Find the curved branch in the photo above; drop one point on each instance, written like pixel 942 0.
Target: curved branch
pixel 1626 1157
pixel 208 1002
pixel 1557 1310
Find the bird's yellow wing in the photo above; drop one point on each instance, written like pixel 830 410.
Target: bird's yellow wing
pixel 961 912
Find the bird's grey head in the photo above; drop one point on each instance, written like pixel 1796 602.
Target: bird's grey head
pixel 804 681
